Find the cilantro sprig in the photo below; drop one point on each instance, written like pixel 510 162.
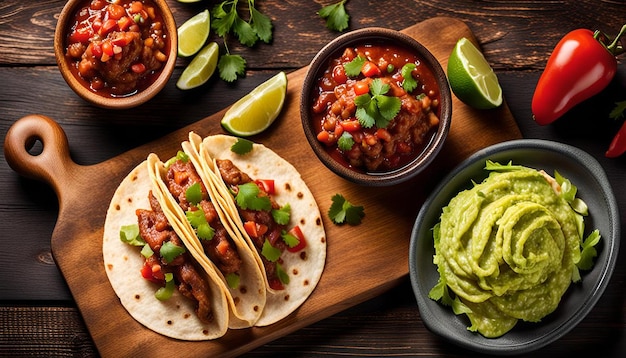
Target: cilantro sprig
pixel 619 110
pixel 336 16
pixel 342 211
pixel 228 20
pixel 247 198
pixel 375 108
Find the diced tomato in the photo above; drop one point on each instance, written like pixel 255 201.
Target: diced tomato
pixel 370 69
pixel 339 74
pixel 222 247
pixel 98 4
pixel 323 137
pixel 266 184
pixel 138 67
pixel 124 23
pixel 81 34
pixel 351 125
pixel 135 7
pixel 383 134
pixel 96 49
pixel 107 48
pixel 116 11
pixel 107 26
pixel 361 87
pixel 152 273
pixel 276 284
pixel 122 40
pixel 297 232
pixel 255 229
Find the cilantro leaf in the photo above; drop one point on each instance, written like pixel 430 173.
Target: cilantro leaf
pixel 232 279
pixel 342 211
pixel 377 109
pixel 282 215
pixel 378 87
pixel 409 83
pixel 193 194
pixel 289 239
pixel 197 220
pixel 247 198
pixel 353 68
pixel 268 251
pixel 345 141
pixel 223 19
pixel 282 274
pixel 388 107
pixel 619 110
pixel 171 251
pixel 230 66
pixel 242 146
pixel 261 24
pixel 336 16
pixel 130 234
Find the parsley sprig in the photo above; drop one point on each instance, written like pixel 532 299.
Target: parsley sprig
pixel 336 16
pixel 375 108
pixel 226 20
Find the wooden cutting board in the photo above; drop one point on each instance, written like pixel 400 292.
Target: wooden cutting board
pixel 362 261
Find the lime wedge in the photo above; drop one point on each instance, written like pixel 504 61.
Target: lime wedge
pixel 257 110
pixel 471 78
pixel 192 34
pixel 200 69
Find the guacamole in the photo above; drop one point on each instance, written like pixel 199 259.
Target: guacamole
pixel 507 248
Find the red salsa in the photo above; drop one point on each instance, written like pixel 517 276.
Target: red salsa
pixel 117 48
pixel 374 72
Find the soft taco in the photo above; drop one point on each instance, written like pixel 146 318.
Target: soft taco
pixel 210 231
pixel 287 235
pixel 179 297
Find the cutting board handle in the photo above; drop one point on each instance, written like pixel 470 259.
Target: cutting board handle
pixel 53 165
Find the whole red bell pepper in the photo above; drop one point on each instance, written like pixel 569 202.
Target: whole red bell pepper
pixel 581 65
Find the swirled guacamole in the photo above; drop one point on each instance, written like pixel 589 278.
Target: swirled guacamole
pixel 508 248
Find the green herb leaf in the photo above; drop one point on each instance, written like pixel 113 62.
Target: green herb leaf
pixel 180 155
pixel 146 251
pixel 353 68
pixel 193 194
pixel 231 66
pixel 164 293
pixel 261 24
pixel 336 16
pixel 282 274
pixel 282 215
pixel 270 253
pixel 377 109
pixel 342 211
pixel 345 141
pixel 589 252
pixel 245 33
pixel 619 110
pixel 169 251
pixel 232 280
pixel 388 107
pixel 224 16
pixel 409 83
pixel 130 234
pixel 242 146
pixel 247 198
pixel 197 220
pixel 289 239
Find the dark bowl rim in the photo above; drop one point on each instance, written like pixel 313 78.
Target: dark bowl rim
pixel 430 152
pixel 130 101
pixel 503 346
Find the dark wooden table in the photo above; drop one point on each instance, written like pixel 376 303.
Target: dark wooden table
pixel 37 314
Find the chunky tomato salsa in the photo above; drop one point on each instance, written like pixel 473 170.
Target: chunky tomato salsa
pixel 376 107
pixel 117 48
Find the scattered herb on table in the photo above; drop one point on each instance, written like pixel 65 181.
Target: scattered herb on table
pixel 342 211
pixel 336 16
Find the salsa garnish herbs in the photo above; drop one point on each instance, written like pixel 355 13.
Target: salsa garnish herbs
pixel 336 16
pixel 377 109
pixel 342 211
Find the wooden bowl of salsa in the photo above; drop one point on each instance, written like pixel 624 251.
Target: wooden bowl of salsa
pixel 116 54
pixel 375 106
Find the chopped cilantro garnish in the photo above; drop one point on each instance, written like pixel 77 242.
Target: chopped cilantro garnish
pixel 619 110
pixel 282 274
pixel 170 251
pixel 242 146
pixel 353 68
pixel 377 109
pixel 342 211
pixel 232 279
pixel 282 215
pixel 409 83
pixel 247 198
pixel 197 219
pixel 270 253
pixel 336 16
pixel 289 239
pixel 345 141
pixel 166 292
pixel 193 194
pixel 130 234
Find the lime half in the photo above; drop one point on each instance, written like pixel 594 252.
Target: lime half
pixel 471 78
pixel 193 33
pixel 257 110
pixel 200 68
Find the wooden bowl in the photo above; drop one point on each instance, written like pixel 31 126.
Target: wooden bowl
pixel 81 86
pixel 422 158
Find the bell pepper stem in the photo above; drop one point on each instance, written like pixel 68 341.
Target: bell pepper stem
pixel 615 47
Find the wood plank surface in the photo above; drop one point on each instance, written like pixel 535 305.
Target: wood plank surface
pixel 362 262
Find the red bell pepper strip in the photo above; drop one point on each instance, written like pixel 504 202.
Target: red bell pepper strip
pixel 580 66
pixel 618 144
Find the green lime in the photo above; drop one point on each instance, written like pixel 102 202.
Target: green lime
pixel 193 33
pixel 257 110
pixel 200 69
pixel 471 78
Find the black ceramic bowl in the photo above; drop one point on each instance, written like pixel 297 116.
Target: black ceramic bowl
pixel 335 49
pixel 593 188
